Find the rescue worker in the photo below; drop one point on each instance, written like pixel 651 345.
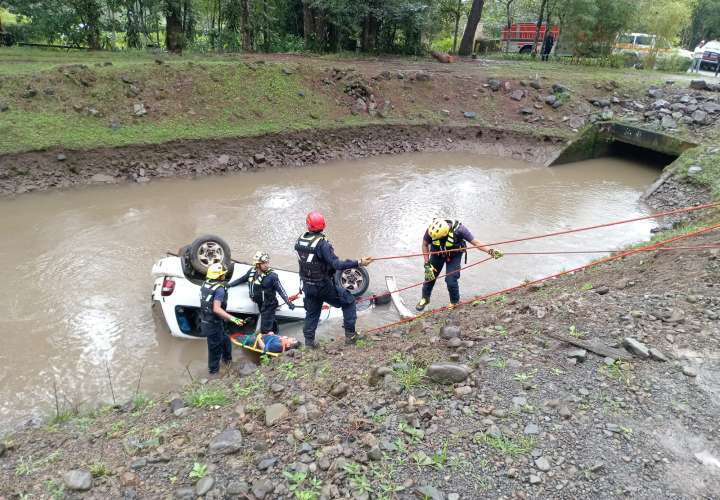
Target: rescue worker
pixel 547 44
pixel 442 236
pixel 213 302
pixel 318 264
pixel 264 286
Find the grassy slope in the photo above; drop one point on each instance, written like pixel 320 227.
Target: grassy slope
pixel 198 96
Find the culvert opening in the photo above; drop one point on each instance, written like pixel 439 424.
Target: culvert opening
pixel 640 154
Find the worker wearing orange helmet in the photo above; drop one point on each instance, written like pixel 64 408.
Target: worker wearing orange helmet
pixel 318 263
pixel 443 244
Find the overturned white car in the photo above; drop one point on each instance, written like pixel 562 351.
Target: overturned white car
pixel 177 281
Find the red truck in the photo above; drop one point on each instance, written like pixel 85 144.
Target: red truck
pixel 519 37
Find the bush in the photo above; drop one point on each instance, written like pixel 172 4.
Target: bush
pixel 19 33
pixel 673 64
pixel 443 45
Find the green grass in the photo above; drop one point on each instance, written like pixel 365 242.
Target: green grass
pixel 709 177
pixel 198 471
pixel 205 397
pixel 408 373
pixel 506 445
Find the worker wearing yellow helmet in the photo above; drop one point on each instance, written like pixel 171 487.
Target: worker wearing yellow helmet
pixel 443 244
pixel 213 314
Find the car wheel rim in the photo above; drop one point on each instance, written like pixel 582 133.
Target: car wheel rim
pixel 209 253
pixel 351 280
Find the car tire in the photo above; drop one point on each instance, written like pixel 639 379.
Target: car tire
pixel 184 254
pixel 526 49
pixel 208 249
pixel 382 299
pixel 355 280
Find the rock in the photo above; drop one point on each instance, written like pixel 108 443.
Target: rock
pixel 700 117
pixel 536 85
pixel 102 178
pixel 61 157
pixel 711 107
pixel 463 391
pixel 377 373
pixel 576 122
pixel 237 488
pixel 227 442
pixel 422 76
pixel 185 494
pixel 542 464
pixel 176 404
pixel 223 160
pixel 676 316
pixel 565 412
pixel 78 480
pixel 28 93
pixel 636 347
pixel 606 114
pixel 204 485
pixel 550 100
pixel 262 487
pixel 4 107
pixel 429 493
pixel 698 85
pixel 558 88
pixel 275 413
pixel 526 111
pixel 517 95
pixel 689 371
pixel 668 122
pixel 470 115
pixel 259 158
pixel 694 169
pixel 139 109
pixel 657 355
pixel 138 463
pixel 494 84
pixel 534 479
pixel 375 454
pixel 454 343
pixel 450 332
pixel 287 71
pixel 579 354
pixel 531 429
pixel 339 390
pixel 266 463
pixel 602 290
pixel 447 373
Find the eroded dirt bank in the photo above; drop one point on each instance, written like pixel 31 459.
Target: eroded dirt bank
pixel 39 171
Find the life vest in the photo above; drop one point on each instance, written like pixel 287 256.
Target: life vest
pixel 255 280
pixel 448 242
pixel 312 268
pixel 207 293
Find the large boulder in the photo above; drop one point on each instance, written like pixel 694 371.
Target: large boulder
pixel 698 85
pixel 447 373
pixel 78 480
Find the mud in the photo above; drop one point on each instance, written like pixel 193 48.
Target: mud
pixel 53 169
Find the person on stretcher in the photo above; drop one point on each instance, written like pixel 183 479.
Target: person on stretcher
pixel 276 343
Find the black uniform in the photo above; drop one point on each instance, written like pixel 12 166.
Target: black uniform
pixel 318 264
pixel 264 287
pixel 212 326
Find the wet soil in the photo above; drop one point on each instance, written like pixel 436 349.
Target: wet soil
pixel 39 171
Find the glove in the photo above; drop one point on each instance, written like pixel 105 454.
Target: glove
pixel 365 261
pixel 291 306
pixel 495 254
pixel 238 321
pixel 429 272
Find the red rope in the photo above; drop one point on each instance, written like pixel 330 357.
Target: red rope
pixel 540 280
pixel 372 297
pixel 558 233
pixel 559 252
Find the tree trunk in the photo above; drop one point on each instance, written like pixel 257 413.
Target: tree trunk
pixel 247 35
pixel 369 34
pixel 457 26
pixel 537 27
pixel 308 24
pixel 468 39
pixel 173 26
pixel 89 12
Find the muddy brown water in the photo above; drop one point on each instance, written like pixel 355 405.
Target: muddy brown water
pixel 76 264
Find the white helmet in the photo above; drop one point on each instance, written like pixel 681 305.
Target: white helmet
pixel 261 257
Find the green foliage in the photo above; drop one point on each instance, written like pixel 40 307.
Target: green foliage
pixel 506 445
pixel 55 489
pixel 673 63
pixel 99 469
pixel 204 397
pixel 302 486
pixel 198 471
pixel 408 373
pixel 252 386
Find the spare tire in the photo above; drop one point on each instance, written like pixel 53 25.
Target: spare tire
pixel 208 249
pixel 355 280
pixel 184 254
pixel 382 299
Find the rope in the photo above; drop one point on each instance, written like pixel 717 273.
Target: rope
pixel 372 297
pixel 557 233
pixel 620 255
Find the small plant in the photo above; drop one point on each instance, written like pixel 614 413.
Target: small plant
pixel 24 467
pixel 440 457
pixel 142 401
pixel 507 446
pixel 500 363
pixel 358 480
pixel 586 287
pixel 618 371
pixel 574 332
pixel 525 376
pixel 205 397
pixel 288 371
pixel 408 373
pixel 416 435
pixel 362 343
pixel 117 427
pixel 55 489
pixel 558 371
pixel 378 418
pixel 99 469
pixel 198 471
pixel 265 360
pixel 256 384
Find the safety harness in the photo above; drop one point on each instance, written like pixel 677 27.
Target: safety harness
pixel 207 294
pixel 448 242
pixel 312 269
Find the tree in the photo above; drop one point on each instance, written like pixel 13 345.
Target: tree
pixel 174 37
pixel 77 22
pixel 468 39
pixel 665 19
pixel 705 22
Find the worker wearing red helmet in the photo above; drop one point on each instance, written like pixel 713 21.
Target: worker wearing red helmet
pixel 318 264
